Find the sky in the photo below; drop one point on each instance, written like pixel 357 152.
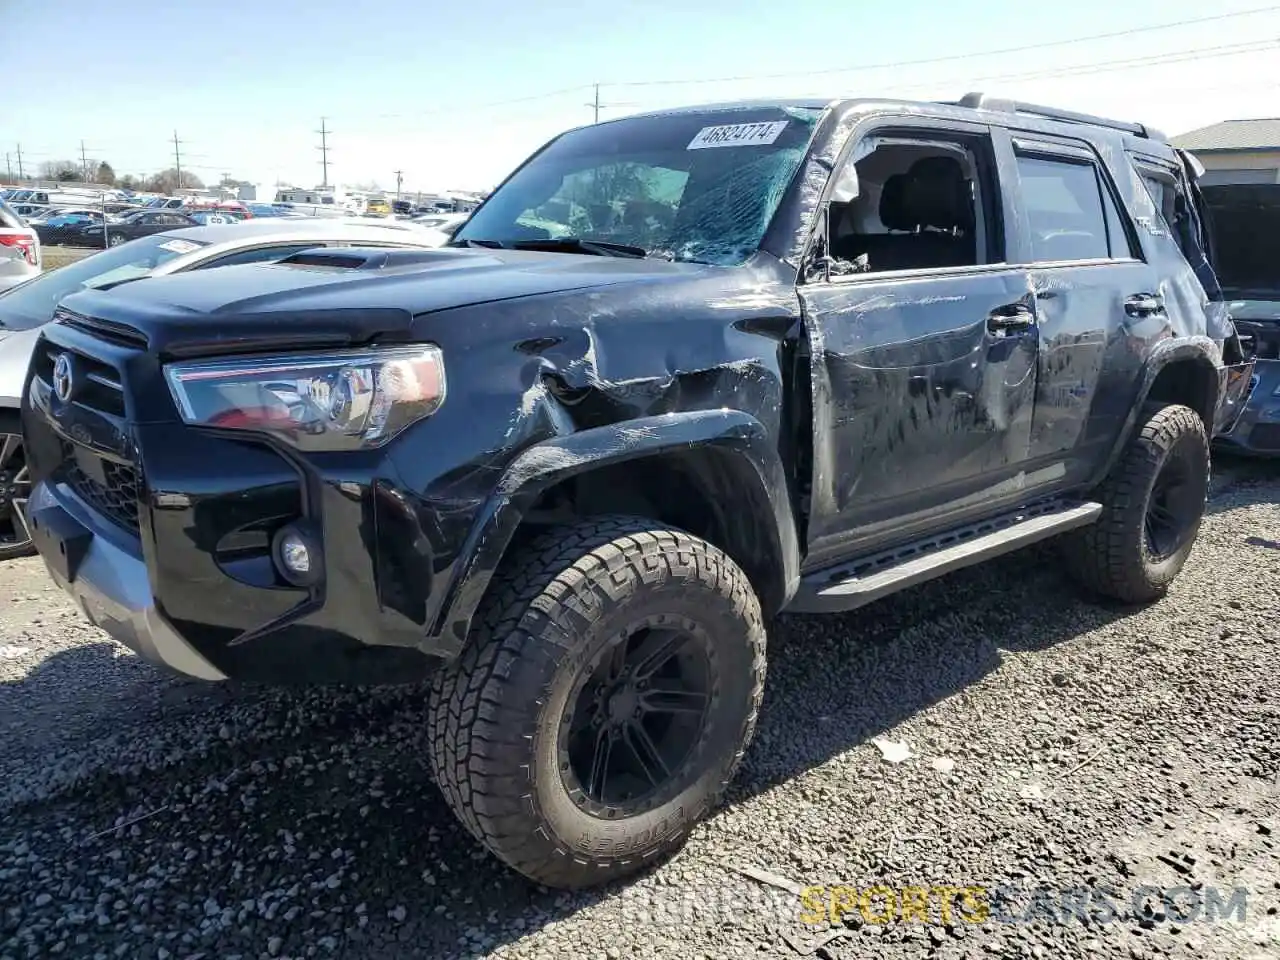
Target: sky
pixel 455 95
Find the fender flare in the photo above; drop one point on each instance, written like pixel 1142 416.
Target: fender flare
pixel 1202 351
pixel 757 471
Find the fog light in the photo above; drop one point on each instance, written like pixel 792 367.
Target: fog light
pixel 297 555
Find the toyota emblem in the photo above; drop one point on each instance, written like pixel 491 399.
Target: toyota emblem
pixel 64 382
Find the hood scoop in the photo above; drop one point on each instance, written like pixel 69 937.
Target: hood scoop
pixel 360 258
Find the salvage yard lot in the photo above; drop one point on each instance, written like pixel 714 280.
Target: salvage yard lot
pixel 1093 745
pixel 54 257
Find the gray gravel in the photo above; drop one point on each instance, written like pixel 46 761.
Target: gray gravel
pixel 145 816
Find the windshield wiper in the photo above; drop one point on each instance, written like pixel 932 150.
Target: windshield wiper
pixel 601 248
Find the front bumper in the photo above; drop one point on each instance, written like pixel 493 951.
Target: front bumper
pixel 1257 431
pixel 110 584
pixel 163 533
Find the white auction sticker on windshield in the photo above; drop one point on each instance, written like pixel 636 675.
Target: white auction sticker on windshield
pixel 738 135
pixel 179 246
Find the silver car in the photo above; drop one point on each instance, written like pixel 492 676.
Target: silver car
pixel 28 306
pixel 19 248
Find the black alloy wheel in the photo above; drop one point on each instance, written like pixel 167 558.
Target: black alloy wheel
pixel 640 708
pixel 15 491
pixel 1173 510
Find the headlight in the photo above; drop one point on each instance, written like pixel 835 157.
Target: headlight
pixel 327 401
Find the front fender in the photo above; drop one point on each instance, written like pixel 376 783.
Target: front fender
pixel 753 476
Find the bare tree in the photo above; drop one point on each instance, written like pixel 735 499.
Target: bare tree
pixel 63 170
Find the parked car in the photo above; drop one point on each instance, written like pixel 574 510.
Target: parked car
pixel 1249 268
pixel 19 248
pixel 25 309
pixel 31 211
pixel 61 226
pixel 270 210
pixel 210 218
pixel 141 224
pixel 781 355
pixel 378 208
pixel 446 223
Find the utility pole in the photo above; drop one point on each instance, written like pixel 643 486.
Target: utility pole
pixel 324 132
pixel 177 158
pixel 595 104
pixel 84 163
pixel 399 181
pixel 8 167
pixel 21 175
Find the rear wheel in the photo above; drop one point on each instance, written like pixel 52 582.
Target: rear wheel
pixel 115 239
pixel 15 490
pixel 1152 504
pixel 603 702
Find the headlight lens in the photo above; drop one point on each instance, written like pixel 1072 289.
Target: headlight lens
pixel 330 401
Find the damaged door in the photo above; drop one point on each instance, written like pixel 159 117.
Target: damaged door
pixel 1101 305
pixel 924 342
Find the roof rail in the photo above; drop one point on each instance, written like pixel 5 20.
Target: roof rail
pixel 982 101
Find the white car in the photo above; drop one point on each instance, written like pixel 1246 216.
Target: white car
pixel 27 307
pixel 447 223
pixel 19 249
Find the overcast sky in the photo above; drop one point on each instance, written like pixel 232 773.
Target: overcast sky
pixel 455 94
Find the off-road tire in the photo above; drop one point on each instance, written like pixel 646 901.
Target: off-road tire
pixel 1113 556
pixel 496 711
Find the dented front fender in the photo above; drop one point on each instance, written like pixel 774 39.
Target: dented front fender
pixel 745 470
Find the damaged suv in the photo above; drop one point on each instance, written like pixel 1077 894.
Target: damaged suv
pixel 680 372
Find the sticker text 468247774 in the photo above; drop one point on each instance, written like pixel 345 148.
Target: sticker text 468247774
pixel 737 135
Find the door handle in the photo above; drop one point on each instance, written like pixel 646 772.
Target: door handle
pixel 1144 305
pixel 1011 318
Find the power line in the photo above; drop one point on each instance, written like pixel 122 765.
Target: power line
pixel 324 153
pixel 1021 48
pixel 1107 66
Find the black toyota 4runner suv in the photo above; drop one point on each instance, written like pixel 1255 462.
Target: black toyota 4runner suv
pixel 680 372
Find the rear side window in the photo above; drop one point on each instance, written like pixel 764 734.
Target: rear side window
pixel 1071 213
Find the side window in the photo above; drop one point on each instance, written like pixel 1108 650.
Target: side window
pixel 1071 213
pixel 922 203
pixel 258 255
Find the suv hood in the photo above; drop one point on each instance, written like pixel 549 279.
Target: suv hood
pixel 1244 221
pixel 280 305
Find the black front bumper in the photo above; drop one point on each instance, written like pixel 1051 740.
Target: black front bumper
pixel 163 534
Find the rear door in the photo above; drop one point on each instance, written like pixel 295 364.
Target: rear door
pixel 1099 304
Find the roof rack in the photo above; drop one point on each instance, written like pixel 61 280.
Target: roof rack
pixel 982 101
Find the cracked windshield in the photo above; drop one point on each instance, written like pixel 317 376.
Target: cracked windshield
pixel 640 481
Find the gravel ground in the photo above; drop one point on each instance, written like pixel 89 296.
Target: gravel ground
pixel 54 257
pixel 1055 743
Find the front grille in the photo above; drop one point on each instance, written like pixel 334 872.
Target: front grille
pixel 115 496
pixel 1265 436
pixel 99 385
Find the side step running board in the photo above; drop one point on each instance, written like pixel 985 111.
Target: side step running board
pixel 859 582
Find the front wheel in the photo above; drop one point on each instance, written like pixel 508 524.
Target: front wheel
pixel 1152 504
pixel 15 489
pixel 603 701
